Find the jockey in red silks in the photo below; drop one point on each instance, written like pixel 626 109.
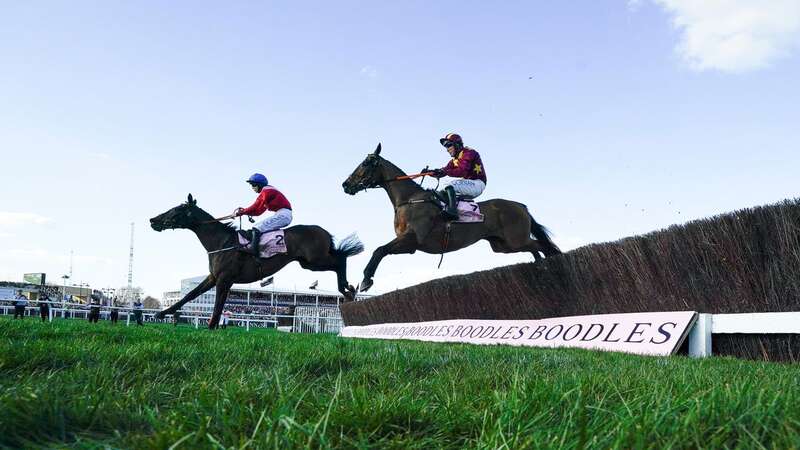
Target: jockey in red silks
pixel 466 165
pixel 270 199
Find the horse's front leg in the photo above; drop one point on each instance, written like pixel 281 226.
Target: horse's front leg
pixel 204 285
pixel 406 243
pixel 223 288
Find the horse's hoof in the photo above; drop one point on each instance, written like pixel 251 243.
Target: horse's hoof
pixel 366 284
pixel 349 293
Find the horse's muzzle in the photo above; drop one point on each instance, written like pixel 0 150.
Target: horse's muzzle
pixel 156 225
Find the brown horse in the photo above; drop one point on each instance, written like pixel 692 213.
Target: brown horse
pixel 310 245
pixel 419 225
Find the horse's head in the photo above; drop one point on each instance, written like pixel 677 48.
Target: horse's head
pixel 367 175
pixel 184 215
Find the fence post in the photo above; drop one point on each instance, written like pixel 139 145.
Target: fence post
pixel 700 337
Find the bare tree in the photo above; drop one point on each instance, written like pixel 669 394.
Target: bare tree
pixel 151 303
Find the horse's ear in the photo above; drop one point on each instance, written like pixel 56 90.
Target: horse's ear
pixel 191 200
pixel 378 149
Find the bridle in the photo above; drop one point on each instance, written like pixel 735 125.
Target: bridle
pixel 362 186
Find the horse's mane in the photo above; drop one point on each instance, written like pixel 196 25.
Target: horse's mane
pixel 390 164
pixel 400 172
pixel 227 227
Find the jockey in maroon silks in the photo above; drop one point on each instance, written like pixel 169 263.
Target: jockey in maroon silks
pixel 269 199
pixel 466 165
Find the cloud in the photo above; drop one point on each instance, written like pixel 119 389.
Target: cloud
pixel 6 235
pixel 734 35
pixel 22 219
pixel 38 254
pixel 23 253
pixel 100 155
pixel 369 71
pixel 15 262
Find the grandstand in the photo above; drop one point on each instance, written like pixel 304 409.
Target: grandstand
pixel 245 299
pixel 77 294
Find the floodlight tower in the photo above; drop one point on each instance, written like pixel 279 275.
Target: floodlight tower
pixel 129 292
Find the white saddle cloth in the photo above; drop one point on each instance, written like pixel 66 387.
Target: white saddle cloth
pixel 271 244
pixel 469 211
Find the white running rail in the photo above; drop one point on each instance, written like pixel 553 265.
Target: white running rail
pixel 700 337
pixel 313 319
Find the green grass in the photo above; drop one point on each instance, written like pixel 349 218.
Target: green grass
pixel 80 385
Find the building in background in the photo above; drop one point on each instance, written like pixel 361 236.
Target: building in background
pixel 126 295
pixel 74 294
pixel 243 298
pixel 170 298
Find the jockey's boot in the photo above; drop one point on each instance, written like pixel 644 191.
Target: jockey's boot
pixel 253 235
pixel 450 210
pixel 255 241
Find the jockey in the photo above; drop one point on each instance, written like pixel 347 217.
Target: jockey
pixel 467 166
pixel 270 199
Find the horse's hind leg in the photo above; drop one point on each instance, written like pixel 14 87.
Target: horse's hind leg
pixel 349 292
pixel 501 246
pixel 333 263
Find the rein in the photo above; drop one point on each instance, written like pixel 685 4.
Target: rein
pixel 398 178
pixel 220 219
pixel 410 177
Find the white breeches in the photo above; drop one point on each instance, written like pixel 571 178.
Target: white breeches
pixel 282 218
pixel 469 188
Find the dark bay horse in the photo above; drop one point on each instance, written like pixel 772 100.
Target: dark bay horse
pixel 418 223
pixel 310 245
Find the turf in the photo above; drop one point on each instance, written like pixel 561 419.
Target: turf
pixel 79 385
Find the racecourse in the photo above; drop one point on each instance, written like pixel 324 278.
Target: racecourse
pixel 71 383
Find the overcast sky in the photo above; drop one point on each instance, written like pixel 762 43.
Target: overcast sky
pixel 607 118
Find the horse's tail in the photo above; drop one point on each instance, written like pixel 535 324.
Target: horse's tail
pixel 542 235
pixel 349 246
